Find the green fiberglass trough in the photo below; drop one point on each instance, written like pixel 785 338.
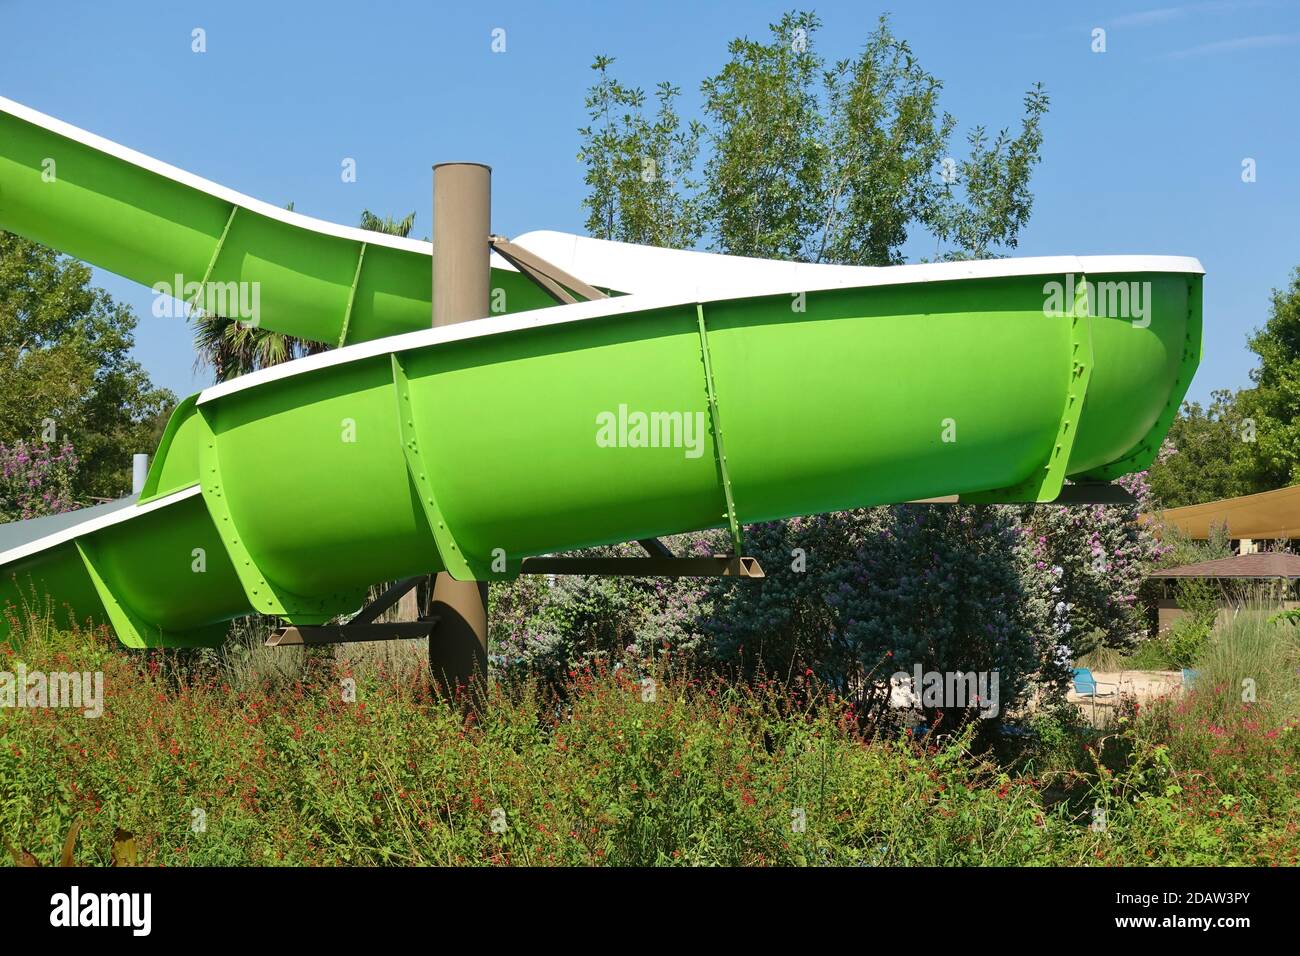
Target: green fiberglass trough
pixel 290 490
pixel 168 229
pixel 718 392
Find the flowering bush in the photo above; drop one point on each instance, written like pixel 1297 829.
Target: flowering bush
pixel 35 480
pixel 857 596
pixel 785 623
pixel 1097 556
pixel 854 597
pixel 544 627
pixel 1205 779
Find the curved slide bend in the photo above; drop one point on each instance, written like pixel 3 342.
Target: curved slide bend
pixel 740 391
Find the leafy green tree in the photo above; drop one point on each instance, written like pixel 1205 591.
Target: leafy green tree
pixel 1204 457
pixel 995 180
pixel 232 348
pixel 808 161
pixel 637 167
pixel 1273 405
pixel 886 137
pixel 766 178
pixel 66 375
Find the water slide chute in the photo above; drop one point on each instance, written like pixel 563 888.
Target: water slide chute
pixel 707 391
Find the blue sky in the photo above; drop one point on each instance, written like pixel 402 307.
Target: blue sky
pixel 1142 154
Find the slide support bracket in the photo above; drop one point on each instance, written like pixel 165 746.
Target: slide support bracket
pixel 552 279
pixel 453 558
pixel 1045 484
pixel 733 525
pixel 212 263
pixel 352 296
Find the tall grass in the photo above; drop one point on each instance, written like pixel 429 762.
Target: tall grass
pixel 1252 652
pixel 245 663
pixel 286 769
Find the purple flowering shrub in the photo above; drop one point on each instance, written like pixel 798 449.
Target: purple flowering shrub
pixel 786 623
pixel 853 597
pixel 543 627
pixel 882 590
pixel 35 480
pixel 1097 556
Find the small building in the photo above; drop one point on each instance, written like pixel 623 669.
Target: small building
pixel 1269 575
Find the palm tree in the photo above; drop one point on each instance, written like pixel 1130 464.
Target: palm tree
pixel 232 348
pixel 387 224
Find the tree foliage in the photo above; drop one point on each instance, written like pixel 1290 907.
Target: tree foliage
pixel 807 160
pixel 1248 441
pixel 1274 402
pixel 66 373
pixel 638 167
pixel 1204 457
pixel 36 480
pixel 766 177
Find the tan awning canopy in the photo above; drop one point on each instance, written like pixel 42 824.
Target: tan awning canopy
pixel 1270 514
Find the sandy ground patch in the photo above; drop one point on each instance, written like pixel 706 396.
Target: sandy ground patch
pixel 1142 685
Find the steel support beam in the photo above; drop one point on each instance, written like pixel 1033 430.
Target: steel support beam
pixel 370 613
pixel 462 276
pixel 655 548
pixel 718 566
pixel 554 280
pixel 316 635
pixel 458 647
pixel 361 627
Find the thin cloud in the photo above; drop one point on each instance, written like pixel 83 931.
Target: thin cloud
pixel 1145 18
pixel 1265 41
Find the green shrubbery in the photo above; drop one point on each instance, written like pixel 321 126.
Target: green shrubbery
pixel 1184 641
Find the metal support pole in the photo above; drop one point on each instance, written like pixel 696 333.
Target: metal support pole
pixel 139 472
pixel 462 276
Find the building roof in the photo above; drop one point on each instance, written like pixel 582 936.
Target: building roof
pixel 1270 514
pixel 1265 564
pixel 15 534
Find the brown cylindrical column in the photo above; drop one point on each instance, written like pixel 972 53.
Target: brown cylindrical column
pixel 462 213
pixel 462 276
pixel 458 644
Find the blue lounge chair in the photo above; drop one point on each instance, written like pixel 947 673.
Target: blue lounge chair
pixel 1085 685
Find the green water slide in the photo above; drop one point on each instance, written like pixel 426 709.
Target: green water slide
pixel 714 392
